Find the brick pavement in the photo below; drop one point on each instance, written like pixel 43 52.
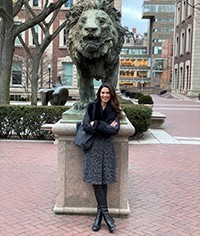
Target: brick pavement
pixel 164 191
pixel 182 118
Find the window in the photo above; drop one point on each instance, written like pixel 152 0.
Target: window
pixel 188 38
pixel 176 45
pixel 182 43
pixel 157 50
pixel 32 40
pixel 69 3
pixel 142 62
pixel 35 39
pixel 165 20
pixel 181 76
pixel 63 37
pixel 17 41
pixel 17 73
pixel 159 8
pixel 142 74
pixel 189 7
pixel 178 14
pixel 183 11
pixel 67 74
pixel 35 3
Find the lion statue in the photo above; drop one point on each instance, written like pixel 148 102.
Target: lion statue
pixel 94 39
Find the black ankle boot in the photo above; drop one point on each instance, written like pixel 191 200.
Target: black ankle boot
pixel 108 219
pixel 97 222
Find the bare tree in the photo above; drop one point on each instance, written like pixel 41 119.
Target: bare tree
pixel 9 31
pixel 36 55
pixel 26 72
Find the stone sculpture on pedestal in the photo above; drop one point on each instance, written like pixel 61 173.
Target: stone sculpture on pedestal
pixel 94 39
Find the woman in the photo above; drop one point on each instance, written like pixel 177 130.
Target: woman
pixel 102 118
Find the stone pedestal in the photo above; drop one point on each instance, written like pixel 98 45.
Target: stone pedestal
pixel 73 195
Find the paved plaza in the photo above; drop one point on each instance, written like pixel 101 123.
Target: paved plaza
pixel 164 182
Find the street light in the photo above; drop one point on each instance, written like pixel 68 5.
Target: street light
pixel 49 68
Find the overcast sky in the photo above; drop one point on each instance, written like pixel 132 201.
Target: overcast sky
pixel 132 15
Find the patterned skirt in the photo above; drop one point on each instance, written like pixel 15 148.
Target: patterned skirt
pixel 100 162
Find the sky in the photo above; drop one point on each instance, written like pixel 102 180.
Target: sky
pixel 132 15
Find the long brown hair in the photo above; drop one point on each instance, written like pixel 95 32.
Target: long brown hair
pixel 114 102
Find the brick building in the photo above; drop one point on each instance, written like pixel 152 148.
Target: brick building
pixel 167 54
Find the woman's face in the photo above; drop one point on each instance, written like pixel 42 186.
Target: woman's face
pixel 105 95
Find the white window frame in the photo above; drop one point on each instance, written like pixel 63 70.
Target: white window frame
pixel 22 34
pixel 182 43
pixel 188 39
pixel 70 84
pixel 19 64
pixel 31 36
pixel 61 36
pixel 181 74
pixel 178 14
pixel 183 11
pixel 176 49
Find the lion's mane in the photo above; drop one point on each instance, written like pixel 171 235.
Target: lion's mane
pixel 73 27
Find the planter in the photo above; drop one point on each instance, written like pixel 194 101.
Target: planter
pixel 149 105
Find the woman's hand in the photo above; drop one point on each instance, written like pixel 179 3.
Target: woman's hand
pixel 114 123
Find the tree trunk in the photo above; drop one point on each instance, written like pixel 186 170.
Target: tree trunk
pixel 35 78
pixel 6 55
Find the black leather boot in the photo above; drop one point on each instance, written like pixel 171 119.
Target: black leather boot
pixel 108 219
pixel 101 196
pixel 97 222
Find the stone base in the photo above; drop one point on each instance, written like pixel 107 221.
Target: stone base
pixel 77 197
pixel 72 115
pixel 90 211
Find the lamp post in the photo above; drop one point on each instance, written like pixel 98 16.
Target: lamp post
pixel 49 68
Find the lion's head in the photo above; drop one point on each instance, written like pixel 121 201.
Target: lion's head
pixel 94 30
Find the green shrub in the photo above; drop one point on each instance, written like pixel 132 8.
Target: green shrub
pixel 146 99
pixel 139 116
pixel 26 121
pixel 138 95
pixel 124 101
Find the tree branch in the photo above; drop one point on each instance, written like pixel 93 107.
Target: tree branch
pixel 40 17
pixel 17 7
pixel 26 48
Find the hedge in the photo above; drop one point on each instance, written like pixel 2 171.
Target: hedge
pixel 139 116
pixel 25 122
pixel 146 99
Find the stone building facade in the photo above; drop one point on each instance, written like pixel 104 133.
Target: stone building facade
pixel 186 70
pixel 160 14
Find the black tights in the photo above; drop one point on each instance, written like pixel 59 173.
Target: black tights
pixel 101 194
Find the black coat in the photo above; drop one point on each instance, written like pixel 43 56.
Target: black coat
pixel 100 161
pixel 102 120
